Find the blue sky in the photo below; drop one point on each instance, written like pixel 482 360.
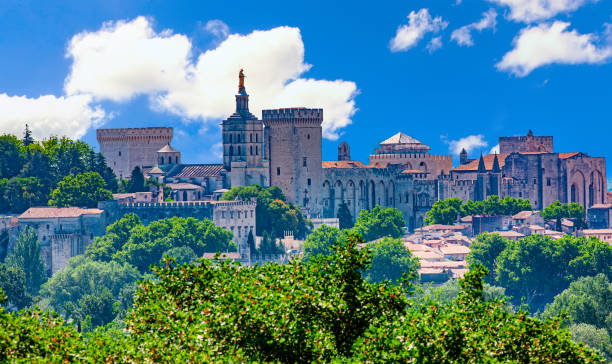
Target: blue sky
pixel 449 73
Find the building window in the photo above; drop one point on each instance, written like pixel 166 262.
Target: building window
pixel 238 214
pixel 231 214
pixel 231 150
pixel 120 153
pixel 278 171
pixel 256 150
pixel 308 136
pixel 251 213
pixel 238 138
pixel 304 162
pixel 230 138
pixel 535 181
pixel 239 151
pixel 256 138
pixel 548 181
pixel 309 182
pixel 251 136
pixel 251 149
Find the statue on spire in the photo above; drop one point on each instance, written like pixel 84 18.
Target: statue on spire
pixel 241 77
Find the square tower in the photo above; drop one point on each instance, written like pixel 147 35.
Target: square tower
pixel 293 148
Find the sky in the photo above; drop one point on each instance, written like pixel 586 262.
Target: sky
pixel 451 73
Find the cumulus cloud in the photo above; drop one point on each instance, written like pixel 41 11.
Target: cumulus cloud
pixel 495 149
pixel 419 24
pixel 469 143
pixel 217 28
pixel 127 58
pixel 434 44
pixel 463 35
pixel 546 44
pixel 536 10
pixel 49 115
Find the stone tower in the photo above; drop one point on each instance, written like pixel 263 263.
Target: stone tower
pixel 243 154
pixel 168 155
pixel 463 157
pixel 126 148
pixel 344 152
pixel 293 147
pixel 526 144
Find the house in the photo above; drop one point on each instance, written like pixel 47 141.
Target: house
pixel 454 251
pixel 599 216
pixel 601 234
pixel 510 234
pixel 527 218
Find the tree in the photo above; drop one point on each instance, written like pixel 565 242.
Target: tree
pixel 444 212
pixel 11 157
pixel 12 282
pixel 273 213
pixel 117 234
pixel 379 222
pixel 88 288
pixel 84 189
pixel 390 261
pixel 558 211
pixel 26 256
pixel 484 250
pixel 22 193
pixel 27 137
pixel 587 300
pixel 4 245
pixel 321 241
pixel 270 246
pixel 137 181
pixel 344 216
pixel 598 339
pixel 182 254
pixel 251 243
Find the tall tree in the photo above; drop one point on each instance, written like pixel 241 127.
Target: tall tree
pixel 84 189
pixel 27 137
pixel 484 250
pixel 12 282
pixel 137 181
pixel 26 256
pixel 390 261
pixel 379 222
pixel 11 156
pixel 344 216
pixel 444 212
pixel 321 241
pixel 251 243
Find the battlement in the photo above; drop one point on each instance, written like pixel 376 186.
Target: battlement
pixel 424 156
pixel 133 134
pixel 293 114
pixel 528 143
pixel 186 204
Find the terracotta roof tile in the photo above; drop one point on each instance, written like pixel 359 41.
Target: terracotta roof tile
pixel 488 160
pixel 55 212
pixel 343 164
pixel 198 170
pixel 567 155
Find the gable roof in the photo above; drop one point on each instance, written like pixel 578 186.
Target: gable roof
pixel 488 163
pixel 197 170
pixel 401 138
pixel 567 155
pixel 167 149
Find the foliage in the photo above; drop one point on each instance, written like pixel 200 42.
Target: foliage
pixel 344 216
pixel 391 260
pixel 27 137
pixel 4 244
pixel 447 211
pixel 137 181
pixel 587 300
pixel 270 246
pixel 251 243
pixel 538 268
pixel 379 222
pixel 182 254
pixel 321 241
pixel 128 240
pixel 18 194
pixel 447 292
pixel 273 213
pixel 84 189
pixel 558 211
pixel 321 310
pixel 598 339
pixel 484 250
pixel 11 157
pixel 26 257
pixel 12 282
pixel 444 212
pixel 89 288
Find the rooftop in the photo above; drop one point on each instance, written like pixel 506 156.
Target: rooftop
pixel 343 164
pixel 57 212
pixel 197 170
pixel 488 161
pixel 183 186
pixel 167 149
pixel 401 138
pixel 524 215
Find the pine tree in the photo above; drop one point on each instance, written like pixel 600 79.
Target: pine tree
pixel 137 181
pixel 26 256
pixel 27 137
pixel 344 216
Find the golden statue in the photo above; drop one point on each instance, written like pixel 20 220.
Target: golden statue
pixel 241 77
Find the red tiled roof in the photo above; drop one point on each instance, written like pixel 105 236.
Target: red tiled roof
pixel 343 164
pixel 567 155
pixel 523 215
pixel 183 186
pixel 198 170
pixel 55 212
pixel 488 160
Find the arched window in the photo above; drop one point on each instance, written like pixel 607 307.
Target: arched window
pixel 251 149
pixel 176 159
pixel 239 151
pixel 251 136
pixel 256 150
pixel 162 160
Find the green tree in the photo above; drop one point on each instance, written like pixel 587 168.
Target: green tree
pixel 11 157
pixel 321 241
pixel 251 243
pixel 116 236
pixel 558 211
pixel 444 212
pixel 89 288
pixel 4 245
pixel 390 261
pixel 26 257
pixel 270 246
pixel 484 250
pixel 12 282
pixel 22 193
pixel 84 189
pixel 587 300
pixel 344 216
pixel 598 339
pixel 137 181
pixel 182 254
pixel 27 137
pixel 379 222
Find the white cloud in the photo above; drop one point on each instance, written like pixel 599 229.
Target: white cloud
pixel 419 24
pixel 217 28
pixel 124 59
pixel 434 44
pixel 463 35
pixel 535 10
pixel 49 115
pixel 546 44
pixel 469 143
pixel 494 150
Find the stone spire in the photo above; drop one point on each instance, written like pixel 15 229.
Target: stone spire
pixel 481 165
pixel 496 168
